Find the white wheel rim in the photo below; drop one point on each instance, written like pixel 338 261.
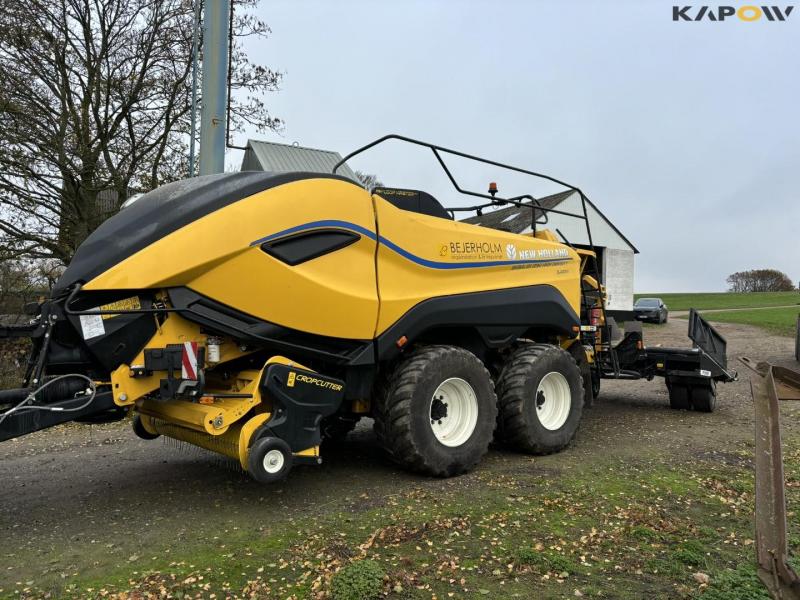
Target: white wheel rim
pixel 553 400
pixel 453 412
pixel 273 461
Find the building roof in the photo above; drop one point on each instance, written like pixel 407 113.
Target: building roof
pixel 518 220
pixel 514 218
pixel 285 158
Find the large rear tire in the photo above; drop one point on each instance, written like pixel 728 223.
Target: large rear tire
pixel 540 393
pixel 436 411
pixel 588 374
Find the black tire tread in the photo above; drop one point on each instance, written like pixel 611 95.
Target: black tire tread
pixel 140 431
pixel 703 399
pixel 512 393
pixel 679 397
pixel 393 407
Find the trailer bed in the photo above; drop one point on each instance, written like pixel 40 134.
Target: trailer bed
pixel 691 374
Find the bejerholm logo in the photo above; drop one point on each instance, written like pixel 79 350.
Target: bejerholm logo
pixel 748 12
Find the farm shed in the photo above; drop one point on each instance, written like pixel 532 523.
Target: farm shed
pixel 287 158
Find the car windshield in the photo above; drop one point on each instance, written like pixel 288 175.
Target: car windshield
pixel 647 303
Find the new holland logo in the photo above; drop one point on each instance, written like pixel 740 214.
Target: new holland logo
pixel 747 13
pixel 511 251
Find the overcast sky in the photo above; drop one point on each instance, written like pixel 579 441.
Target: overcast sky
pixel 686 135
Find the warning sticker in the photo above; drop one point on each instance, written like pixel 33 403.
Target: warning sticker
pixel 92 326
pixel 131 303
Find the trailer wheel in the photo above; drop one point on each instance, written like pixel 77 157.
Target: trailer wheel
pixel 704 398
pixel 141 431
pixel 269 460
pixel 540 395
pixel 679 397
pixel 436 411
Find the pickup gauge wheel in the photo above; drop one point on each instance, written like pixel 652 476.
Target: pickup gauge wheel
pixel 269 460
pixel 140 431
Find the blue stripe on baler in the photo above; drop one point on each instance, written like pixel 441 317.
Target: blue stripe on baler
pixel 432 264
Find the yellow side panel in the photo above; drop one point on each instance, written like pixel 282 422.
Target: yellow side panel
pixel 333 295
pixel 422 257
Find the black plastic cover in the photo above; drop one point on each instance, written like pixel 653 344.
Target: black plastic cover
pixel 414 201
pixel 123 337
pixel 302 247
pixel 498 316
pixel 301 399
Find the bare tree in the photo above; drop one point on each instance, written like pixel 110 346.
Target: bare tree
pixel 94 105
pixel 368 180
pixel 760 280
pixel 22 282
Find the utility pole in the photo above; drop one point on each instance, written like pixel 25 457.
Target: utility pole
pixel 215 92
pixel 195 51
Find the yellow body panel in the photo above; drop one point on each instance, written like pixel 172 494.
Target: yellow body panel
pixel 400 259
pixel 453 247
pixel 333 295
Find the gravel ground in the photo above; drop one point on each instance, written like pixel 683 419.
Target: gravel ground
pixel 77 499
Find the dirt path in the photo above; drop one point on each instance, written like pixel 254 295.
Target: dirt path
pixel 685 313
pixel 78 500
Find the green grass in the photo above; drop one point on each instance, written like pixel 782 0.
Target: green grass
pixel 711 301
pixel 741 583
pixel 777 320
pixel 621 528
pixel 639 529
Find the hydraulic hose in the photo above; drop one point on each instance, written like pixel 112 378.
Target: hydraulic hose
pixel 90 390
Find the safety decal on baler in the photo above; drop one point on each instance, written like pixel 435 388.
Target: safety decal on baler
pixel 189 361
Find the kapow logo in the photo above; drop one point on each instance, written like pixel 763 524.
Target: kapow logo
pixel 747 13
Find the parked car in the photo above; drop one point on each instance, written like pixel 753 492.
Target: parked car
pixel 651 309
